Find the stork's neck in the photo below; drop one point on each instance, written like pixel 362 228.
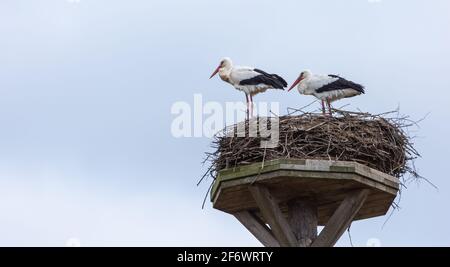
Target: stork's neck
pixel 225 72
pixel 304 88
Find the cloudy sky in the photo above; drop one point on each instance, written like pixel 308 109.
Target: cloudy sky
pixel 86 89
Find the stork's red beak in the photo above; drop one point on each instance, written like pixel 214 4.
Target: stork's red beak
pixel 299 79
pixel 215 72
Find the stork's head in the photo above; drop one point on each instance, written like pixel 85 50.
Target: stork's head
pixel 225 64
pixel 303 75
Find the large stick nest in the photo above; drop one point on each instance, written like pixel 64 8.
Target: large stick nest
pixel 378 141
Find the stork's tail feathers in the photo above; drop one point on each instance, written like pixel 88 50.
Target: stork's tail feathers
pixel 280 80
pixel 273 79
pixel 358 87
pixel 344 83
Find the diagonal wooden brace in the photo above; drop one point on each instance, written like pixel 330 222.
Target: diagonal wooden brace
pixel 255 226
pixel 341 219
pixel 271 212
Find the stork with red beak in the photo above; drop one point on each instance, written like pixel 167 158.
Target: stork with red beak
pixel 249 80
pixel 327 88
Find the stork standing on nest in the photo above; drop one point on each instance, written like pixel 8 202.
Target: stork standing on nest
pixel 327 88
pixel 249 80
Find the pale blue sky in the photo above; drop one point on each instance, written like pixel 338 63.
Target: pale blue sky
pixel 86 89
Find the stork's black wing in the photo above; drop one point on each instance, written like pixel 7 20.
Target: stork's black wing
pixel 340 84
pixel 272 80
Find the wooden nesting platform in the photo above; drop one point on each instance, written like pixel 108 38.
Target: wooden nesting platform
pixel 294 196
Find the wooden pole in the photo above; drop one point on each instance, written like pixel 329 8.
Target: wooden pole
pixel 302 214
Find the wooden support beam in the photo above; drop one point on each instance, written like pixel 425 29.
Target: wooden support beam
pixel 341 219
pixel 271 212
pixel 255 226
pixel 302 214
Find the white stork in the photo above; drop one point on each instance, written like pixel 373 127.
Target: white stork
pixel 327 88
pixel 249 80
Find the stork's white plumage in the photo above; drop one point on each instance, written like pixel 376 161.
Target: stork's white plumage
pixel 327 88
pixel 249 80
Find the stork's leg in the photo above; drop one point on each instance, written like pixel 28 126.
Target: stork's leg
pixel 323 107
pixel 329 107
pixel 248 106
pixel 251 106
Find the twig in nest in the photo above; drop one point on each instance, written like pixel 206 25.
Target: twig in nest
pixel 350 235
pixel 206 195
pixel 300 109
